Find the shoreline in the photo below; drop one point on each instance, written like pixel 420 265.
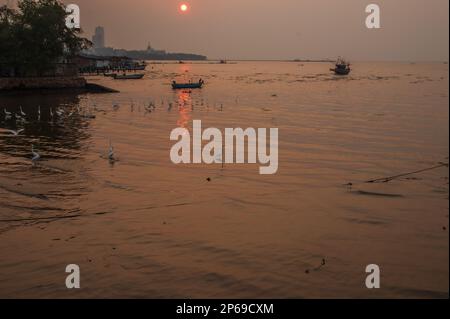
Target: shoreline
pixel 51 84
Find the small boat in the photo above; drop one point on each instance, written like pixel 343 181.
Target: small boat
pixel 342 67
pixel 129 76
pixel 111 75
pixel 196 85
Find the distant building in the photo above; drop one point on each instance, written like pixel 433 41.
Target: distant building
pixel 150 50
pixel 98 39
pixel 99 49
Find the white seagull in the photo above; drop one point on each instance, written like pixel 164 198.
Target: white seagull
pixel 111 152
pixel 36 157
pixel 22 112
pixel 19 117
pixel 16 133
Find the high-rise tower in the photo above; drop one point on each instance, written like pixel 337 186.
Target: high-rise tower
pixel 99 38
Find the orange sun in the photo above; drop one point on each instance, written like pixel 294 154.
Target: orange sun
pixel 184 7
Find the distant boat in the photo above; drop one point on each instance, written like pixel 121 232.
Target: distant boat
pixel 111 75
pixel 223 62
pixel 196 85
pixel 342 67
pixel 129 76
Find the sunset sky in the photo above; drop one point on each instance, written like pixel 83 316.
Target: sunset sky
pixel 282 29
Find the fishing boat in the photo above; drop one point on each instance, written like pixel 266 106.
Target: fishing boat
pixel 195 85
pixel 342 67
pixel 111 75
pixel 129 76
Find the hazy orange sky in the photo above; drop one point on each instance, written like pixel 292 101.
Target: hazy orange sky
pixel 278 29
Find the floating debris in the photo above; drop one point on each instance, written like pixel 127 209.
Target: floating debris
pixel 391 178
pixel 360 192
pixel 322 264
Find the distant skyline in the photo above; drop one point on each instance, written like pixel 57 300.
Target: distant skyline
pixel 411 30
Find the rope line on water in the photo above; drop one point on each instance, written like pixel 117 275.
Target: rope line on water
pixel 391 178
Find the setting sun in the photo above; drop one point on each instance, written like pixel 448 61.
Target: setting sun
pixel 184 7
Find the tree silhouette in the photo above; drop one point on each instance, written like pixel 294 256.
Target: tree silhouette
pixel 35 37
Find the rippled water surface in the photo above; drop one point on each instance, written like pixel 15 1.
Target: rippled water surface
pixel 144 227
